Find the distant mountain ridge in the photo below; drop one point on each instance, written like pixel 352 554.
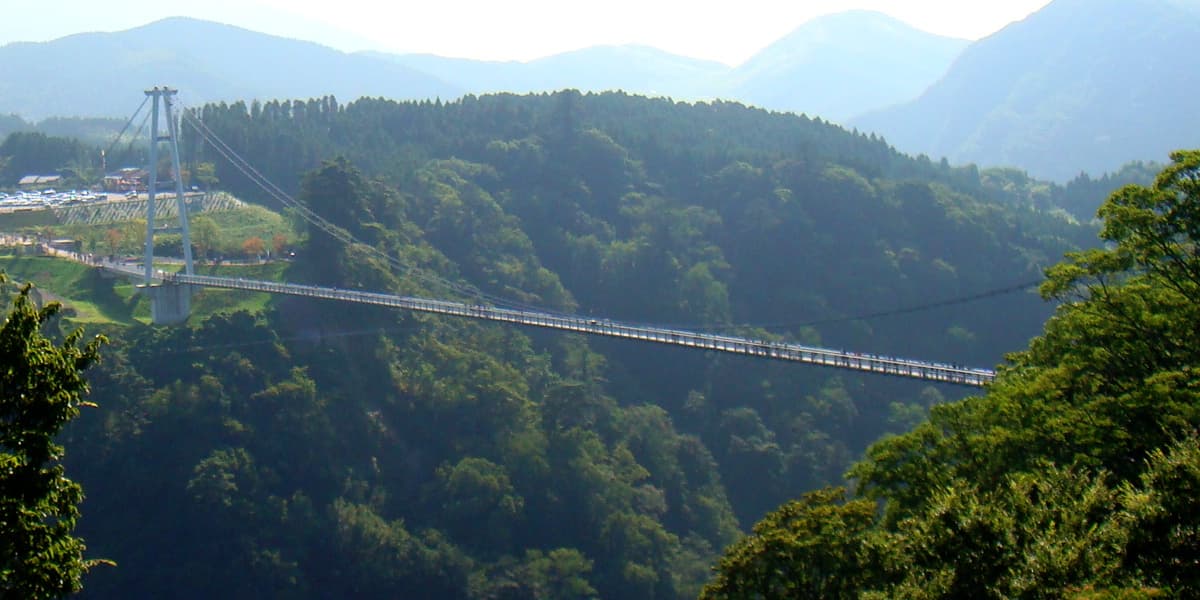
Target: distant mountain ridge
pixel 831 67
pixel 834 67
pixel 102 74
pixel 1080 85
pixel 842 65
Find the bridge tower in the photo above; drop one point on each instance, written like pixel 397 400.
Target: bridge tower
pixel 169 302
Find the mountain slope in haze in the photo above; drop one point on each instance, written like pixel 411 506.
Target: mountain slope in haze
pixel 835 67
pixel 637 69
pixel 103 74
pixel 1080 85
pixel 841 65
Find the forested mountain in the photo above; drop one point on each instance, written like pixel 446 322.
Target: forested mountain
pixel 317 449
pixel 1081 193
pixel 102 74
pixel 842 65
pixel 1080 85
pixel 628 151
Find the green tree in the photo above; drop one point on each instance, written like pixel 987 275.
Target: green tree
pixel 1165 540
pixel 815 547
pixel 205 234
pixel 113 238
pixel 205 174
pixel 133 235
pixel 41 389
pixel 478 492
pixel 36 153
pixel 1111 378
pixel 1153 233
pixel 1037 534
pixel 82 174
pixel 1066 479
pixel 560 574
pixel 373 557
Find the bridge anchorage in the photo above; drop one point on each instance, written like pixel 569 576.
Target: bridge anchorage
pixel 171 293
pixel 170 302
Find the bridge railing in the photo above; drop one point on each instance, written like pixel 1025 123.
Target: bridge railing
pixel 931 371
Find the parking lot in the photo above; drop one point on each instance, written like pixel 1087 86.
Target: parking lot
pixel 46 199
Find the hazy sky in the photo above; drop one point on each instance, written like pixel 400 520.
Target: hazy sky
pixel 725 31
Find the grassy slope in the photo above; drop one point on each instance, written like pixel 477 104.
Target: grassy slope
pixel 212 301
pixel 85 292
pixel 93 298
pixel 236 226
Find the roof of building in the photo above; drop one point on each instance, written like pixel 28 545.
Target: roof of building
pixel 38 179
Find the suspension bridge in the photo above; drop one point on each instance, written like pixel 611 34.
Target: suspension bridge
pixel 170 293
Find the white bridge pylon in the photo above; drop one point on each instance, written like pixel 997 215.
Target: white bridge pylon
pixel 165 95
pixel 168 303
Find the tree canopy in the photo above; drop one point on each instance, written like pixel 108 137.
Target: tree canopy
pixel 316 449
pixel 41 390
pixel 1075 473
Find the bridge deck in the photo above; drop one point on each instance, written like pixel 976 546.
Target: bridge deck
pixel 721 343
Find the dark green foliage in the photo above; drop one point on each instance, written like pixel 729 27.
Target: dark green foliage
pixel 31 153
pixel 1165 539
pixel 815 547
pixel 418 457
pixel 324 450
pixel 1076 475
pixel 372 558
pixel 1082 195
pixel 1034 535
pixel 41 389
pixel 559 573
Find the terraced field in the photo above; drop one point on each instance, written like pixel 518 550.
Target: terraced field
pixel 127 210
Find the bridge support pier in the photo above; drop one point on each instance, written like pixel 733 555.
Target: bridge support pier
pixel 170 303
